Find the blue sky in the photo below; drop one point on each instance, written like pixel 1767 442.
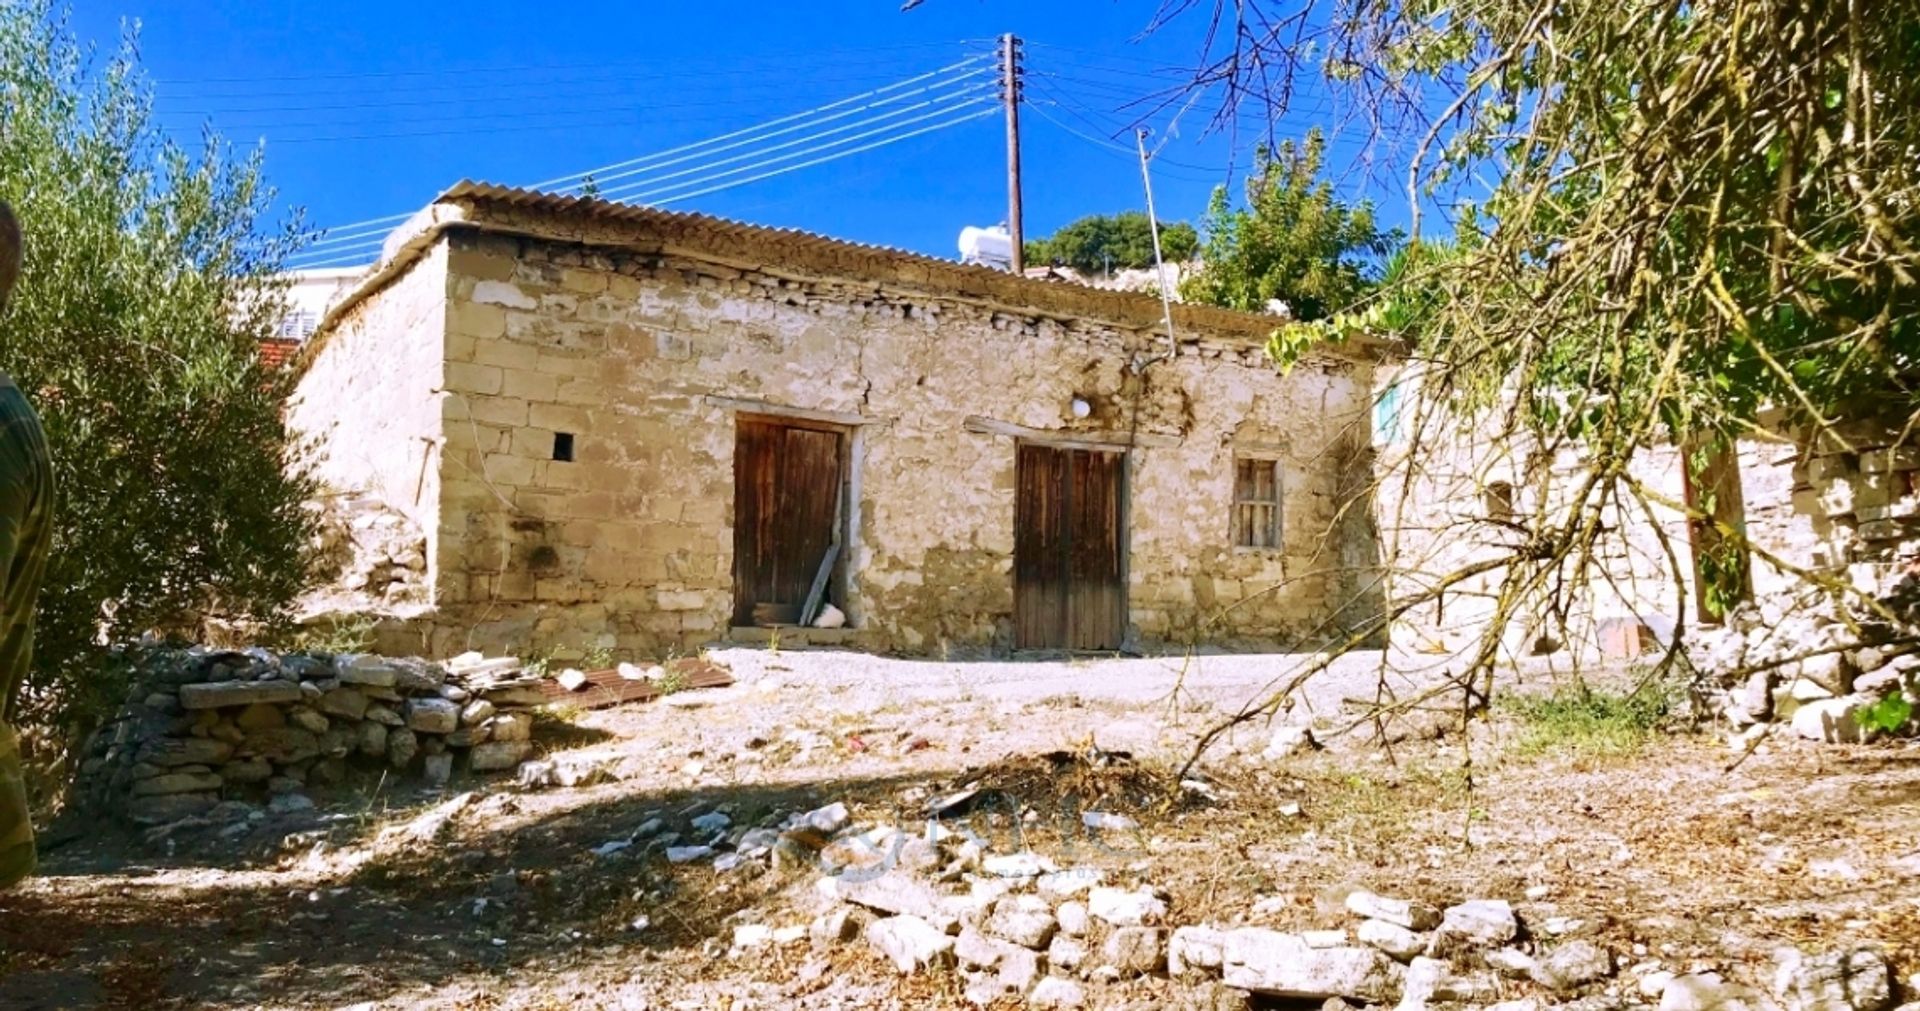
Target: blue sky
pixel 368 109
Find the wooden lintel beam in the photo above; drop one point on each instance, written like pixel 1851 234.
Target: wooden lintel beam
pixel 1107 441
pixel 800 413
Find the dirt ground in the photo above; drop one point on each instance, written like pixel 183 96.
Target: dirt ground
pixel 389 896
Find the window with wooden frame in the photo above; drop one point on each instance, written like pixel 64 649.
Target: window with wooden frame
pixel 1256 502
pixel 1499 503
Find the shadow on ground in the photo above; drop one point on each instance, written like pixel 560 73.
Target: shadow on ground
pixel 481 904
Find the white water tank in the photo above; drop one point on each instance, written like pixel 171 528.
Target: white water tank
pixel 990 247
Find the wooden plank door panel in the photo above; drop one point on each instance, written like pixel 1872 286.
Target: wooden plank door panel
pixel 755 484
pixel 1069 590
pixel 808 499
pixel 786 483
pixel 1039 549
pixel 1096 608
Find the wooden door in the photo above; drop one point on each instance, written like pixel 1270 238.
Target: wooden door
pixel 1069 583
pixel 1714 488
pixel 786 504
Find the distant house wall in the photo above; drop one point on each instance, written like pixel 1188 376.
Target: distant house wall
pixel 369 403
pixel 1444 476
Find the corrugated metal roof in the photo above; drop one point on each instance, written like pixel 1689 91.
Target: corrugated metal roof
pixel 558 217
pixel 791 247
pixel 539 200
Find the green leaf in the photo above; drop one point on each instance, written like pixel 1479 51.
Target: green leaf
pixel 1887 715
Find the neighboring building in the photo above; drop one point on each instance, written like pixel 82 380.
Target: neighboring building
pixel 1456 491
pixel 310 293
pixel 1145 280
pixel 620 426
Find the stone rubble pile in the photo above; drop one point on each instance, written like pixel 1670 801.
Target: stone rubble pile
pixel 201 725
pixel 1797 660
pixel 381 554
pixel 1019 927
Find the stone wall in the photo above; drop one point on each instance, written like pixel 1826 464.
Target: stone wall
pixel 201 726
pixel 1440 474
pixel 644 360
pixel 1856 484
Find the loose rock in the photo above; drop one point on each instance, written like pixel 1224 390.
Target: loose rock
pixel 215 695
pixel 978 951
pixel 402 745
pixel 1708 992
pixel 1481 923
pixel 1025 920
pixel 1289 741
pixel 833 928
pixel 1399 912
pixel 1572 965
pixel 1126 908
pixel 1055 992
pixel 911 943
pixel 1066 953
pixel 1392 938
pixel 1283 965
pixel 432 715
pixel 1135 951
pixel 1195 949
pixel 1856 980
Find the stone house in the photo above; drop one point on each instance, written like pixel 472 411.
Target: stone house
pixel 628 428
pixel 1460 488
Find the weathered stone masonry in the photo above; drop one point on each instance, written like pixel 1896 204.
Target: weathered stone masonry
pixel 639 342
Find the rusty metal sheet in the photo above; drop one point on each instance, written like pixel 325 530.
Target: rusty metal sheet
pixel 607 688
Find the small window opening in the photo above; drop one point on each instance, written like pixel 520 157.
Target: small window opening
pixel 1387 419
pixel 1500 502
pixel 1256 503
pixel 563 446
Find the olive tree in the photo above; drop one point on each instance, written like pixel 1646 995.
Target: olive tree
pixel 149 280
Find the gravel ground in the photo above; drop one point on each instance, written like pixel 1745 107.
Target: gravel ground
pixel 1223 681
pixel 510 905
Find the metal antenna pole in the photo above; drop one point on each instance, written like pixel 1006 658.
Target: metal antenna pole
pixel 1159 264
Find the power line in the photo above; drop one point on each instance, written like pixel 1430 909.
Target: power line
pixel 1085 113
pixel 948 95
pixel 344 260
pixel 640 166
pixel 1133 97
pixel 989 111
pixel 544 118
pixel 469 96
pixel 781 121
pixel 811 57
pixel 357 252
pixel 1116 147
pixel 629 187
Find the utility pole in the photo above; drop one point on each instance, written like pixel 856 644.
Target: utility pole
pixel 1010 96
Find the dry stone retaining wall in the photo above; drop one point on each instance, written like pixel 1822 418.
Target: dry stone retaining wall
pixel 201 725
pixel 1857 481
pixel 1800 659
pixel 379 555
